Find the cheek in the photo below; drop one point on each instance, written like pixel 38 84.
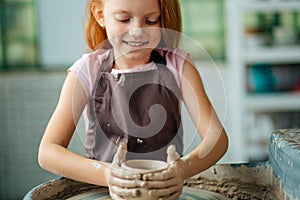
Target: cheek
pixel 156 34
pixel 113 31
pixel 115 35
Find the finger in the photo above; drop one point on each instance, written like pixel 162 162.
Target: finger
pixel 173 196
pixel 125 192
pixel 128 183
pixel 119 172
pixel 160 184
pixel 113 195
pixel 160 176
pixel 116 197
pixel 165 191
pixel 172 154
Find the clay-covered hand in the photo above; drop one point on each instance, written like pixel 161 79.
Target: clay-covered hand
pixel 122 184
pixel 167 184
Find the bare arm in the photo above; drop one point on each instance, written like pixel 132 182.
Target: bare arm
pixel 53 153
pixel 214 142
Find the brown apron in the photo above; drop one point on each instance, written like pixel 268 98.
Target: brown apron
pixel 141 109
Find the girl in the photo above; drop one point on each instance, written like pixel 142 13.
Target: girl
pixel 132 85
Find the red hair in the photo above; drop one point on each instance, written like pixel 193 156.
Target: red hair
pixel 170 20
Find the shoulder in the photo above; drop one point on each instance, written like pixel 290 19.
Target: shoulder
pixel 173 54
pixel 89 62
pixel 87 66
pixel 93 58
pixel 175 59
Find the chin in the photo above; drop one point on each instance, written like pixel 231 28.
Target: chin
pixel 138 54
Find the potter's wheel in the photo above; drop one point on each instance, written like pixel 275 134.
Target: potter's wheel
pixel 188 193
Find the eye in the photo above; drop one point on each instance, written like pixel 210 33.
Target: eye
pixel 122 18
pixel 152 20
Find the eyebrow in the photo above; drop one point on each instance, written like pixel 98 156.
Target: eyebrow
pixel 126 12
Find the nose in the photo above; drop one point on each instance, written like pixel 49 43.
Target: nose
pixel 135 29
pixel 136 32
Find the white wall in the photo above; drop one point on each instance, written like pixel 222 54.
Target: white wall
pixel 61 31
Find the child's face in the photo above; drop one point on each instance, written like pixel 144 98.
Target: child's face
pixel 132 26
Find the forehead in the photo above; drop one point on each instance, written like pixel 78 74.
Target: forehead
pixel 132 6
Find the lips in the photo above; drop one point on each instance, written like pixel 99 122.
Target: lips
pixel 135 44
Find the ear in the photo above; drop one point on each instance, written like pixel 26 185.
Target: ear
pixel 98 15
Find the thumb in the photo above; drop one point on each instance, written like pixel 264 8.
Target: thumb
pixel 172 154
pixel 120 155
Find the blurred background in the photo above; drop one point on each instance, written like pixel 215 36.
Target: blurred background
pixel 252 75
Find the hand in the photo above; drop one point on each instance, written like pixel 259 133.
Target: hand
pixel 122 184
pixel 167 184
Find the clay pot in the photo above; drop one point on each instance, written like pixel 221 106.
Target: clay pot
pixel 143 167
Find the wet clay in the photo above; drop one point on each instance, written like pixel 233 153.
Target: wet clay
pixel 144 167
pixel 239 181
pixel 235 181
pixel 233 189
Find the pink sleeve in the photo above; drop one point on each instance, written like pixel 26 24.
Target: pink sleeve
pixel 175 61
pixel 86 69
pixel 81 70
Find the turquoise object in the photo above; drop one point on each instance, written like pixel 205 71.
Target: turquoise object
pixel 284 151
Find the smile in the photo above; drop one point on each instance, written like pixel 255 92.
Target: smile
pixel 135 44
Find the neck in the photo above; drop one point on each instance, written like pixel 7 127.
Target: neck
pixel 123 63
pixel 132 60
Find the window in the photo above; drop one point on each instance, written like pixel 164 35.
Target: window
pixel 203 21
pixel 18 34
